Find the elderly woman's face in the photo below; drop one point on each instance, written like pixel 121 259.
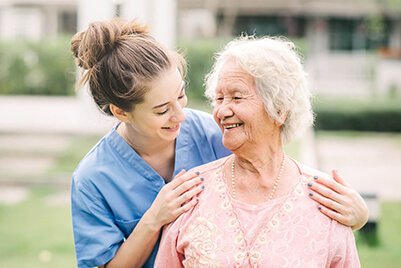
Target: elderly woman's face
pixel 239 111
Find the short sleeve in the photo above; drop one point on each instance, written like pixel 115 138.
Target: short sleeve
pixel 343 252
pixel 96 236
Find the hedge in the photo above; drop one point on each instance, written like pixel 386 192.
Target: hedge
pixel 200 56
pixel 374 114
pixel 43 67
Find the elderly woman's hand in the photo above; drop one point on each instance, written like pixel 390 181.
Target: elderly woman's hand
pixel 339 201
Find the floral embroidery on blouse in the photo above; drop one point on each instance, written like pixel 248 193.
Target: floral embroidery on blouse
pixel 286 232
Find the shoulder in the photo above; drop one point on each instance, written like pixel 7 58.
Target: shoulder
pixel 211 167
pixel 198 118
pixel 310 171
pixel 93 162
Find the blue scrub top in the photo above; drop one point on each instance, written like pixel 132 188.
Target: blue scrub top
pixel 113 187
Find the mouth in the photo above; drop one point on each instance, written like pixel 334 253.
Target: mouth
pixel 231 126
pixel 172 128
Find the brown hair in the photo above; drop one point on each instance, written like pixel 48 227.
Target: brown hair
pixel 120 59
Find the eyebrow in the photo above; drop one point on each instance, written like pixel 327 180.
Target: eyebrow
pixel 163 104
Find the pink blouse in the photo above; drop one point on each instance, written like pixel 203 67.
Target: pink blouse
pixel 288 231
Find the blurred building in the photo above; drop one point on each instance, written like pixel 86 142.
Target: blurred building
pixel 37 18
pixel 338 24
pixel 338 33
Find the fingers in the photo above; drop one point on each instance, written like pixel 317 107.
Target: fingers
pixel 338 178
pixel 182 177
pixel 326 191
pixel 334 215
pixel 190 194
pixel 187 185
pixel 329 184
pixel 187 206
pixel 326 202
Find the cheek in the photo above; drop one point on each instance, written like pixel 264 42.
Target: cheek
pixel 183 102
pixel 214 113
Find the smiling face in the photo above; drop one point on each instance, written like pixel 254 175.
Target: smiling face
pixel 240 112
pixel 159 117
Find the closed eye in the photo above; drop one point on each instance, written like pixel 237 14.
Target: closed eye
pixel 164 112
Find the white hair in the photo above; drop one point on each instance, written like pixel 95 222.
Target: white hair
pixel 280 80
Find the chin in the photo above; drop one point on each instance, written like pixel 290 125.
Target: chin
pixel 232 145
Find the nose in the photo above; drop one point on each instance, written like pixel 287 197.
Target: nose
pixel 223 110
pixel 179 114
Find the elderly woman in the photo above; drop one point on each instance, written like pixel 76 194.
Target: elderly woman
pixel 255 210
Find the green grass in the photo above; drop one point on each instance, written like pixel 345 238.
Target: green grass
pixel 34 234
pixel 387 254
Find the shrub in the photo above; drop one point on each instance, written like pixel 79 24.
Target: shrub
pixel 361 115
pixel 43 67
pixel 199 55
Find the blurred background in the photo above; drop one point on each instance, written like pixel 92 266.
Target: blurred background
pixel 351 50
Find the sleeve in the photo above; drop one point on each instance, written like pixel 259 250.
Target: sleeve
pixel 96 236
pixel 343 252
pixel 168 255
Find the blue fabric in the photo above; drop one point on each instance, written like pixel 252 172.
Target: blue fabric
pixel 113 186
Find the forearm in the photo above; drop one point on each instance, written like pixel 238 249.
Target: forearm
pixel 137 248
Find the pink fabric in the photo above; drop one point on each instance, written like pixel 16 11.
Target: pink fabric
pixel 288 231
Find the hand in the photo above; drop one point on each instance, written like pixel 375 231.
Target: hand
pixel 339 201
pixel 175 198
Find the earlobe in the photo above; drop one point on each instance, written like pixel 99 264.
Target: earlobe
pixel 119 113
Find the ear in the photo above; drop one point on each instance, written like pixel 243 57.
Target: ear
pixel 119 113
pixel 283 117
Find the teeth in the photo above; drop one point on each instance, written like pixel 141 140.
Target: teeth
pixel 231 126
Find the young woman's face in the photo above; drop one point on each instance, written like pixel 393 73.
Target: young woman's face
pixel 160 116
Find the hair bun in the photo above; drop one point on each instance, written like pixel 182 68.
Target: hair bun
pixel 90 46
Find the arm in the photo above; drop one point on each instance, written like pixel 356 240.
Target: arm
pixel 339 201
pixel 174 199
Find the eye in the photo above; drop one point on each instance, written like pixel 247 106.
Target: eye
pixel 164 112
pixel 237 98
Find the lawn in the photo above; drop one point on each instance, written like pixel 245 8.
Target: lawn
pixel 35 234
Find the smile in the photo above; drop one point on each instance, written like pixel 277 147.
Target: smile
pixel 173 128
pixel 232 126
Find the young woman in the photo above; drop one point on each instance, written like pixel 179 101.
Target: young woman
pixel 123 191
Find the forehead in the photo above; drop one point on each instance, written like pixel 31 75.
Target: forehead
pixel 165 86
pixel 233 77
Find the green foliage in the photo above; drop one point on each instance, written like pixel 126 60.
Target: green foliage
pixel 42 67
pixel 200 57
pixel 382 115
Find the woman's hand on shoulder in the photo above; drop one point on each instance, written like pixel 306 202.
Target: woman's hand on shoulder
pixel 175 198
pixel 339 201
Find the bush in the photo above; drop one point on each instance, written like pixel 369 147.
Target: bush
pixel 199 55
pixel 361 115
pixel 43 67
